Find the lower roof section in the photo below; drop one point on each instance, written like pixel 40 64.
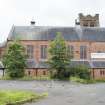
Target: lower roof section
pixel 89 63
pixel 92 64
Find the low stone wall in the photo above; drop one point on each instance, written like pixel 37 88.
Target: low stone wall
pixel 37 72
pixel 98 73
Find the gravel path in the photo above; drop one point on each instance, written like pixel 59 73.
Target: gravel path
pixel 61 93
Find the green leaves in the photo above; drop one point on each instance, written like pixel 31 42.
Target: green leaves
pixel 14 60
pixel 59 58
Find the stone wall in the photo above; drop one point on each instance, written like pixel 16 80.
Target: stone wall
pixel 98 73
pixel 88 20
pixel 36 72
pixel 92 47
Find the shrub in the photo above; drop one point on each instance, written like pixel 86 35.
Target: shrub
pixel 81 71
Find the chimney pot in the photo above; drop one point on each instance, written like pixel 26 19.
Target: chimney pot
pixel 33 22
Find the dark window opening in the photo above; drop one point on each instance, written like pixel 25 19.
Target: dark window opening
pixel 29 73
pixel 44 72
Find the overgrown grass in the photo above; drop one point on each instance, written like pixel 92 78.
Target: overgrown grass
pixel 86 81
pixel 17 97
pixel 27 78
pixel 83 81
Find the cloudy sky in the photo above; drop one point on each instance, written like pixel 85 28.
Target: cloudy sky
pixel 46 12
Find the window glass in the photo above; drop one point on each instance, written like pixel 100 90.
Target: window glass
pixel 30 51
pixel 43 51
pixel 83 52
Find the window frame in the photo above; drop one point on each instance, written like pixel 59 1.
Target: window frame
pixel 43 52
pixel 83 52
pixel 30 51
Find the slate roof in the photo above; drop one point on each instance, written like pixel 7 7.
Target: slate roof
pixel 98 64
pixel 74 63
pixel 90 64
pixel 32 64
pixel 49 33
pixel 80 62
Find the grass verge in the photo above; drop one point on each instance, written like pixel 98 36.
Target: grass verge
pixel 17 97
pixel 27 78
pixel 83 81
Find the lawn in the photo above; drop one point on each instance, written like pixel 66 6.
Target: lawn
pixel 17 97
pixel 27 78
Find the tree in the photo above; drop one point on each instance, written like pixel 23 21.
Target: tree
pixel 59 57
pixel 14 60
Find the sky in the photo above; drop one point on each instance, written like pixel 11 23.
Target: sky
pixel 46 13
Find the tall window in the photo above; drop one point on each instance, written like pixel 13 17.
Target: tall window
pixel 43 51
pixel 71 50
pixel 30 51
pixel 83 52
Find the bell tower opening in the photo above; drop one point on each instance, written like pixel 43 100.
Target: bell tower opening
pixel 88 20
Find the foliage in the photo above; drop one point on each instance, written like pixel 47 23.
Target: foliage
pixel 15 97
pixel 59 57
pixel 28 78
pixel 14 60
pixel 83 81
pixel 80 71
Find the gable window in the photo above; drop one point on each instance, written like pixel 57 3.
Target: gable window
pixel 43 51
pixel 83 52
pixel 71 50
pixel 29 73
pixel 30 51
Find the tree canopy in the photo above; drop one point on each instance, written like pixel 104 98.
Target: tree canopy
pixel 59 56
pixel 15 60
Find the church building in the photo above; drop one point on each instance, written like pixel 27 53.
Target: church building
pixel 86 42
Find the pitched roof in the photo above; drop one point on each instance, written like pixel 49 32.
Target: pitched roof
pixel 31 63
pixel 49 33
pixel 73 63
pixel 98 64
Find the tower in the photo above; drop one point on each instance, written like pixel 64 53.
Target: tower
pixel 88 20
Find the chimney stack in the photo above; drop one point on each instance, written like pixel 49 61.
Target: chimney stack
pixel 32 22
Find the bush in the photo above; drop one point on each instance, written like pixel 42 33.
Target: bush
pixel 80 71
pixel 83 81
pixel 62 75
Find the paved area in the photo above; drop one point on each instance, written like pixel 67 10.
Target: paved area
pixel 61 93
